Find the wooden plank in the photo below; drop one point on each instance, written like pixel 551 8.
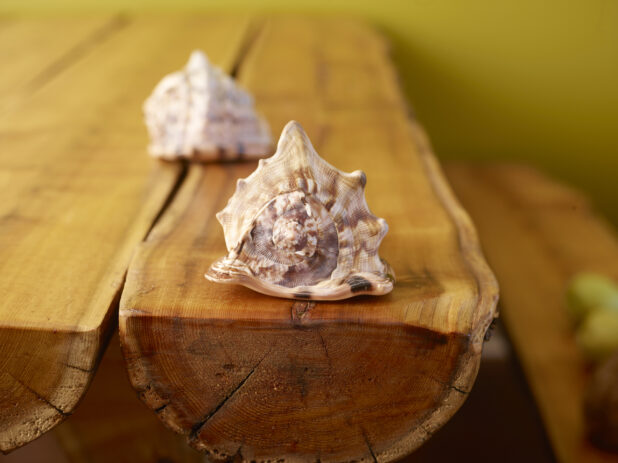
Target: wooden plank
pixel 537 234
pixel 112 425
pixel 35 50
pixel 78 193
pixel 333 64
pixel 252 377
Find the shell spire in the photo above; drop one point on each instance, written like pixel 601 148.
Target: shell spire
pixel 200 113
pixel 299 228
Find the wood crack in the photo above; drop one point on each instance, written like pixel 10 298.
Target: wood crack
pixel 238 454
pixel 450 386
pixel 253 32
pixel 75 367
pixel 196 428
pixel 161 408
pixel 39 396
pixel 461 391
pixel 330 365
pixel 373 455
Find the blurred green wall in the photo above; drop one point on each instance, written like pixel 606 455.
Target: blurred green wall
pixel 523 80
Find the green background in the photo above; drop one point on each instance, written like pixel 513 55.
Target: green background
pixel 527 80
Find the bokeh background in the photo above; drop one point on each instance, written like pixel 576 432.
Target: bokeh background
pixel 522 80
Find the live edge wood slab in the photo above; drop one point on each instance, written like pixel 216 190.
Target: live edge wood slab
pixel 78 192
pixel 255 378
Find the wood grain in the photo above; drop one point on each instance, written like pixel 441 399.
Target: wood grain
pixel 537 234
pixel 35 50
pixel 250 377
pixel 78 192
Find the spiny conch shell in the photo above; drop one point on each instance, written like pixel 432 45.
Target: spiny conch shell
pixel 200 113
pixel 299 228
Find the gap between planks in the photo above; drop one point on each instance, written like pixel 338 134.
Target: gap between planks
pixel 252 31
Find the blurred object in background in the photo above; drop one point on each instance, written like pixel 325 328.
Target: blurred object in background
pixel 602 405
pixel 592 302
pixel 588 292
pixel 537 234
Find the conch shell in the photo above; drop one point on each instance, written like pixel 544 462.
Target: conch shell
pixel 200 113
pixel 299 228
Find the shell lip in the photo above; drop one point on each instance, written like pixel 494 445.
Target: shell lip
pixel 229 271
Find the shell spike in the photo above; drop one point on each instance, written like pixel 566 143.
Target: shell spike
pixel 198 60
pixel 361 177
pixel 294 130
pixel 294 141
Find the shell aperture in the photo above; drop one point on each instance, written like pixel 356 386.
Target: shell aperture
pixel 299 228
pixel 200 113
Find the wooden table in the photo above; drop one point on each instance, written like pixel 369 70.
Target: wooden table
pixel 240 374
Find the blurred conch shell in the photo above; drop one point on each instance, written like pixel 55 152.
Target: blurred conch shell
pixel 299 228
pixel 200 113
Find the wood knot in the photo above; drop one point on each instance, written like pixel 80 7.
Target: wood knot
pixel 300 309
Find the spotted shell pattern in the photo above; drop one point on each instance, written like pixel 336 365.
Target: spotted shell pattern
pixel 299 228
pixel 200 113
